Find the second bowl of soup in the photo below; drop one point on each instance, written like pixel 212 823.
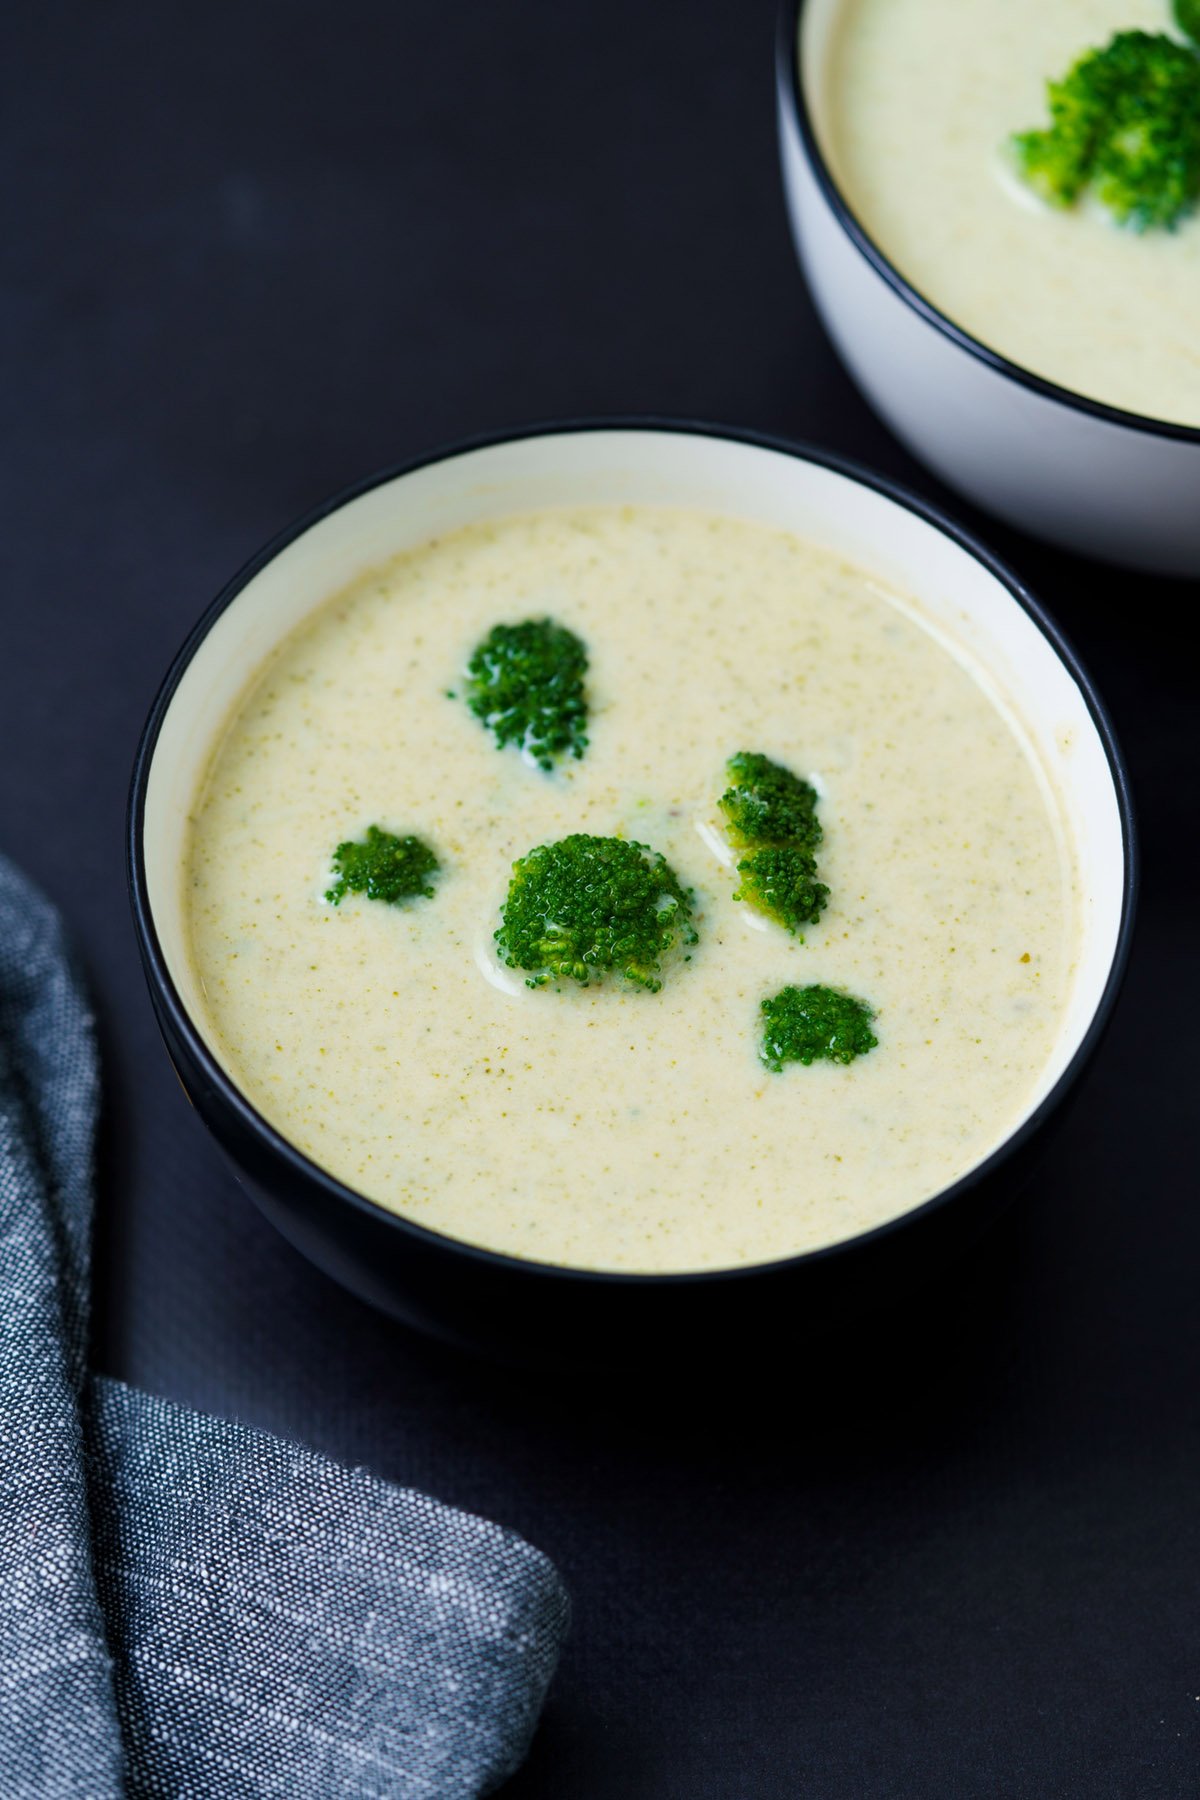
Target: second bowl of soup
pixel 1042 359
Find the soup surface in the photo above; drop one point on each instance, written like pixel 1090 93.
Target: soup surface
pixel 918 101
pixel 607 1127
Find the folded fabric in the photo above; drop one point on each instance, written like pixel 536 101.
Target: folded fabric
pixel 189 1607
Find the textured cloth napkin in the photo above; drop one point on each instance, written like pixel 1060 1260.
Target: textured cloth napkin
pixel 187 1607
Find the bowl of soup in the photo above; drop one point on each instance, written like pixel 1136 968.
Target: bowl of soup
pixel 1041 359
pixel 765 1085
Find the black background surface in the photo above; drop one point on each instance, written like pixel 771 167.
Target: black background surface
pixel 252 251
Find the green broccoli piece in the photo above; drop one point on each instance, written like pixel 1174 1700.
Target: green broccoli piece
pixel 525 682
pixel 1187 17
pixel 1125 123
pixel 782 882
pixel 766 804
pixel 584 907
pixel 773 814
pixel 383 867
pixel 804 1024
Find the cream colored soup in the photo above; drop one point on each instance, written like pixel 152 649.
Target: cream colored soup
pixel 610 1128
pixel 916 103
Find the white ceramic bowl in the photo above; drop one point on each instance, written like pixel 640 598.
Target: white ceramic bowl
pixel 497 1300
pixel 1091 477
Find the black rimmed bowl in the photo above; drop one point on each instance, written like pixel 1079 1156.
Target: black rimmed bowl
pixel 1091 477
pixel 537 1312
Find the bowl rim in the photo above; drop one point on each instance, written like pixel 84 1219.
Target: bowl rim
pixel 789 63
pixel 168 999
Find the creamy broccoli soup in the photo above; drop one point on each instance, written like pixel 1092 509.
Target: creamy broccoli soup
pixel 610 1126
pixel 914 107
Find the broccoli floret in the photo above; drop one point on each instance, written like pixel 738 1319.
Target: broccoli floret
pixel 383 867
pixel 808 1023
pixel 1187 17
pixel 773 814
pixel 585 907
pixel 766 804
pixel 1125 122
pixel 525 682
pixel 782 882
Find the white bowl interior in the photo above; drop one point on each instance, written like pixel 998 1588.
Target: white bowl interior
pixel 967 605
pixel 816 40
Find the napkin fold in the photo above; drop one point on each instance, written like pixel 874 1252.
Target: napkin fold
pixel 189 1607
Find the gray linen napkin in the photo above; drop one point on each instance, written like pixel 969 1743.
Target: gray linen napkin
pixel 188 1607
